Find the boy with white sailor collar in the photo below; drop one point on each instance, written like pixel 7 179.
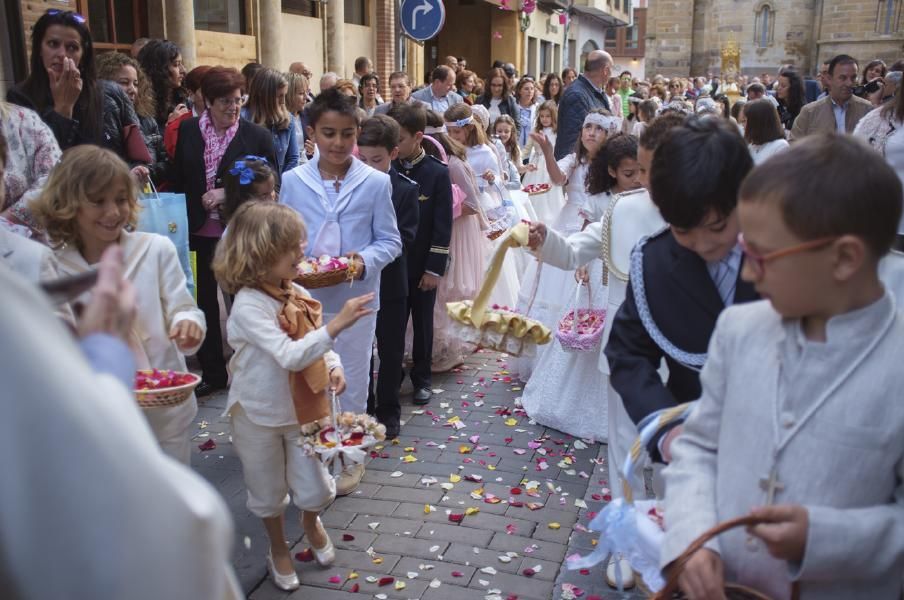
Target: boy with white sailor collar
pixel 681 279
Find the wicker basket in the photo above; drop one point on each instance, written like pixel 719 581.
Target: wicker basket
pixel 568 335
pixel 312 281
pixel 166 397
pixel 536 192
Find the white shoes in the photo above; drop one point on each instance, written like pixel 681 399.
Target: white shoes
pixel 286 583
pixel 349 479
pixel 326 555
pixel 618 565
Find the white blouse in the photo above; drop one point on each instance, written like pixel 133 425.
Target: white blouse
pixel 765 151
pixel 264 356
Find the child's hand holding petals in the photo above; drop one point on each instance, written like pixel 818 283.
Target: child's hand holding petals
pixel 785 533
pixel 337 380
pixel 187 334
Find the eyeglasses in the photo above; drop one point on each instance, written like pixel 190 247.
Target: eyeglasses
pixel 67 14
pixel 758 262
pixel 225 102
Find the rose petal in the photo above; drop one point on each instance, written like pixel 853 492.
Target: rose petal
pixel 208 445
pixel 305 555
pixel 335 579
pixel 347 537
pixel 528 572
pixel 385 581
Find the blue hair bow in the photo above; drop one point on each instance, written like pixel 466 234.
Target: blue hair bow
pixel 241 168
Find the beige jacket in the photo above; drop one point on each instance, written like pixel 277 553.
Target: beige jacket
pixel 818 117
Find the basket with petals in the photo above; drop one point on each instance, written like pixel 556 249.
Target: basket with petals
pixel 342 438
pixel 498 327
pixel 581 329
pixel 160 389
pixel 326 271
pixel 536 188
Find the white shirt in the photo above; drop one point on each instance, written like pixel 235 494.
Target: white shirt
pixel 264 356
pixel 761 153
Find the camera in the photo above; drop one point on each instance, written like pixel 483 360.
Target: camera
pixel 870 88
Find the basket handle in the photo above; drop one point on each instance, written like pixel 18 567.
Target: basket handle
pixel 515 237
pixel 678 565
pixel 577 302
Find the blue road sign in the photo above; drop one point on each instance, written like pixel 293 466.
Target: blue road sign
pixel 422 19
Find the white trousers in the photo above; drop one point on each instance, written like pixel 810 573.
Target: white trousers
pixel 171 428
pixel 273 463
pixel 355 347
pixel 622 434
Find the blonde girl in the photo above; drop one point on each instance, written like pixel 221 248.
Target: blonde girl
pixel 88 203
pixel 505 131
pixel 548 205
pixel 273 372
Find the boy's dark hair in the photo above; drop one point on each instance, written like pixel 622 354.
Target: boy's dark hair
pixel 410 117
pixel 831 185
pixel 379 131
pixel 841 59
pixel 616 149
pixel 756 88
pixel 697 169
pixel 332 100
pixel 657 129
pixel 237 193
pixel 763 123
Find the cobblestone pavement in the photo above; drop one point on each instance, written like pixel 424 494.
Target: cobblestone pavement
pixel 411 529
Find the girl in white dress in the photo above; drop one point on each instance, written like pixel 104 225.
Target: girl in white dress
pixel 482 158
pixel 87 202
pixel 549 293
pixel 548 204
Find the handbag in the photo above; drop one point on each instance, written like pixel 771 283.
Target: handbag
pixel 135 146
pixel 581 329
pixel 165 213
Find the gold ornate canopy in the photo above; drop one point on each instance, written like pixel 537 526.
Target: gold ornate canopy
pixel 731 69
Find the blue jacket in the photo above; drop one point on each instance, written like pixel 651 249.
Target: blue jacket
pixel 285 142
pixel 579 99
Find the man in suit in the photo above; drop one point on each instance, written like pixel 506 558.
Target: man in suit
pixel 400 87
pixel 583 95
pixel 378 146
pixel 430 255
pixel 689 272
pixel 840 110
pixel 438 96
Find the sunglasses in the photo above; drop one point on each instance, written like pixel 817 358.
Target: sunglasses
pixel 67 14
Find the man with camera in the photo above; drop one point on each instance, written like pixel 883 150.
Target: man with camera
pixel 840 110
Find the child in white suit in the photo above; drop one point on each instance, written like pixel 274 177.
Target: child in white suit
pixel 87 202
pixel 275 329
pixel 798 414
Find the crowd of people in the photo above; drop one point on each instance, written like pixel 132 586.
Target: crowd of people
pixel 736 234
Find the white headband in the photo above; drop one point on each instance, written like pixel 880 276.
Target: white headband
pixel 460 122
pixel 432 130
pixel 606 122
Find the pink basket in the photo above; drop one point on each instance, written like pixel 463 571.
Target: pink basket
pixel 581 329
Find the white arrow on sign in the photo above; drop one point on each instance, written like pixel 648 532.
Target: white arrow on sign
pixel 424 8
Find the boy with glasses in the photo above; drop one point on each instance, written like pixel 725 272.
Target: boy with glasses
pixel 799 413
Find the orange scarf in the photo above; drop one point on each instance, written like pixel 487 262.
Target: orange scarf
pixel 298 317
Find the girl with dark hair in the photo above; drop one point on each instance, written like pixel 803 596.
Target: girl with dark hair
pixel 62 86
pixel 369 91
pixel 497 97
pixel 553 88
pixel 266 107
pixel 874 69
pixel 162 62
pixel 763 132
pixel 568 76
pixel 250 179
pixel 791 96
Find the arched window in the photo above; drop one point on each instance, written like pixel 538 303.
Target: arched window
pixel 765 25
pixel 888 16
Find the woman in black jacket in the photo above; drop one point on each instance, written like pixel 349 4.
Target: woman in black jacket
pixel 62 86
pixel 497 98
pixel 208 146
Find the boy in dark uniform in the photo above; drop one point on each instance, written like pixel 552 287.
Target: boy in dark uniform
pixel 429 257
pixel 378 146
pixel 690 272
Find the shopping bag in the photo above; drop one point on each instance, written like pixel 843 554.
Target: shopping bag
pixel 165 213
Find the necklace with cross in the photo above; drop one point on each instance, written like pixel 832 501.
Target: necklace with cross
pixel 771 485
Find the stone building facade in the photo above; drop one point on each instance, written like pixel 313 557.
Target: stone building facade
pixel 684 37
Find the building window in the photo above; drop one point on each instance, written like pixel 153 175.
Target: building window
pixel 304 8
pixel 223 16
pixel 765 24
pixel 611 38
pixel 631 38
pixel 115 25
pixel 888 16
pixel 356 12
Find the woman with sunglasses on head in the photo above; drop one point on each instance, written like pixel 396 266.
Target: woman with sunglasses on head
pixel 62 87
pixel 207 148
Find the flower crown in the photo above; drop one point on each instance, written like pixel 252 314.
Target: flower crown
pixel 244 171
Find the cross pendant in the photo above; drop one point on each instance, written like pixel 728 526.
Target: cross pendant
pixel 771 485
pixel 336 185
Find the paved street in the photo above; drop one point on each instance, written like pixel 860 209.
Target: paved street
pixel 474 502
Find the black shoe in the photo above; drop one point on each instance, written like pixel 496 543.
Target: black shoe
pixel 392 432
pixel 206 388
pixel 422 396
